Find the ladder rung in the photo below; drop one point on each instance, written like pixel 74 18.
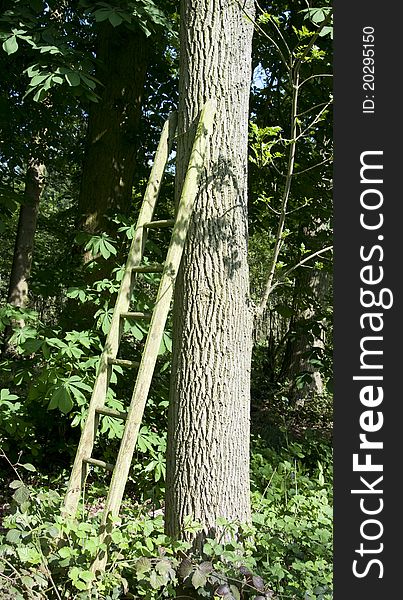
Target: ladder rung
pixel 111 412
pixel 123 363
pixel 136 315
pixel 99 463
pixel 148 269
pixel 158 224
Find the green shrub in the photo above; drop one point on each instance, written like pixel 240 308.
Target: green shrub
pixel 286 553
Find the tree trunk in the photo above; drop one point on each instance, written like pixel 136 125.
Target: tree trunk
pixel 304 340
pixel 208 428
pixel 110 158
pixel 24 243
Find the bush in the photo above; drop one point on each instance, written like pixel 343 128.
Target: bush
pixel 286 553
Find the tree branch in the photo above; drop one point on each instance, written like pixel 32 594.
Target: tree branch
pixel 314 76
pixel 288 272
pixel 287 187
pixel 314 121
pixel 313 166
pixel 263 32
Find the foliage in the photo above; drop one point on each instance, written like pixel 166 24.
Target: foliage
pixel 53 37
pixel 45 386
pixel 285 553
pixel 291 200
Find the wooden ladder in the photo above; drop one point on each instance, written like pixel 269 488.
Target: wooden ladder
pixel 169 270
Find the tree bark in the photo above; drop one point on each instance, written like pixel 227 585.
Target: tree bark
pixel 304 341
pixel 208 423
pixel 110 158
pixel 24 243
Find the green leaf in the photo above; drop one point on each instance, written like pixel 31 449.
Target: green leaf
pixel 115 19
pixel 65 552
pixel 136 332
pixel 199 579
pixel 13 536
pixel 37 79
pixel 10 45
pixel 143 565
pixel 76 381
pixel 29 467
pixel 73 78
pixel 61 398
pixel 157 581
pixel 36 5
pixel 90 82
pixel 28 581
pixel 21 495
pixel 75 292
pixel 29 555
pixel 185 568
pixel 284 311
pixel 87 576
pixel 163 566
pixel 5 395
pixel 149 544
pixel 235 592
pixel 116 536
pixel 31 346
pixel 40 95
pixel 101 15
pixel 17 483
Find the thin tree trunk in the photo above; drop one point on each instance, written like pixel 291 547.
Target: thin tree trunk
pixel 304 342
pixel 110 159
pixel 24 243
pixel 208 428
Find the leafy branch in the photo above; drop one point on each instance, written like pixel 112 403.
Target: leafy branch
pixel 294 73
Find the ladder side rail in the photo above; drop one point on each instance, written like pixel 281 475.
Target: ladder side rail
pixel 84 450
pixel 157 325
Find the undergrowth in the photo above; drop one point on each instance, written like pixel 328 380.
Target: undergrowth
pixel 284 554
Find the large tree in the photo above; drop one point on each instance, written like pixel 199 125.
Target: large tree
pixel 110 158
pixel 208 430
